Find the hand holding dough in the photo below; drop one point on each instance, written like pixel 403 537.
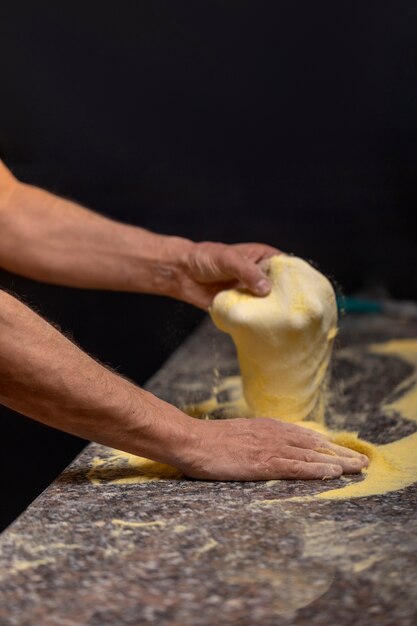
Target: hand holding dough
pixel 283 340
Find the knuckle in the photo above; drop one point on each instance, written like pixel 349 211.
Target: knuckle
pixel 297 470
pixel 316 441
pixel 263 466
pixel 308 456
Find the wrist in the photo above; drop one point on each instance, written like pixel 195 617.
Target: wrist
pixel 172 264
pixel 160 431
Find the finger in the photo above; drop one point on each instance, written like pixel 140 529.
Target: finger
pixel 301 470
pixel 240 266
pixel 247 271
pixel 346 452
pixel 264 265
pixel 301 437
pixel 256 251
pixel 349 465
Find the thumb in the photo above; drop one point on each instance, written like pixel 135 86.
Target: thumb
pixel 251 275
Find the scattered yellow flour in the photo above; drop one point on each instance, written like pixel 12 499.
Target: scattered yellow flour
pixel 284 345
pixel 393 466
pixel 283 341
pixel 132 524
pixel 122 468
pixel 233 406
pixel 405 349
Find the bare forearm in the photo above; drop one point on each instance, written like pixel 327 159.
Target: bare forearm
pixel 45 376
pixel 61 242
pixel 53 240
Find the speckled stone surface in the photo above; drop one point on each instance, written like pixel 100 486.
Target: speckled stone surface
pixel 184 552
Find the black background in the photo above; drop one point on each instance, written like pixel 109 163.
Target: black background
pixel 289 122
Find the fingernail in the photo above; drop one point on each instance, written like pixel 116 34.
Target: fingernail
pixel 263 287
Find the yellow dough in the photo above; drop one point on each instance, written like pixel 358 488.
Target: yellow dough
pixel 284 341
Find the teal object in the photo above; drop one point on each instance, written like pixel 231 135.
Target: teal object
pixel 400 309
pixel 349 304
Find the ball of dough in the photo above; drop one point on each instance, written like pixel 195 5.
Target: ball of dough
pixel 283 340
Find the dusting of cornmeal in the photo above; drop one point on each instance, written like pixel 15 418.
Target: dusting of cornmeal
pixel 406 404
pixel 231 386
pixel 284 345
pixel 122 468
pixel 393 466
pixel 132 524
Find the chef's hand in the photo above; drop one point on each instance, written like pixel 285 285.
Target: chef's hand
pixel 264 449
pixel 208 268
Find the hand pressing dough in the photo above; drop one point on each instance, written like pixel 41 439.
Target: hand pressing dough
pixel 284 340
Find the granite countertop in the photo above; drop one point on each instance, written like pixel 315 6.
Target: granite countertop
pixel 181 552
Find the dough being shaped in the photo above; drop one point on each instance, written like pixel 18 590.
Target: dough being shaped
pixel 284 340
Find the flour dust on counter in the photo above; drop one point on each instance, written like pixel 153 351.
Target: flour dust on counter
pixel 295 326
